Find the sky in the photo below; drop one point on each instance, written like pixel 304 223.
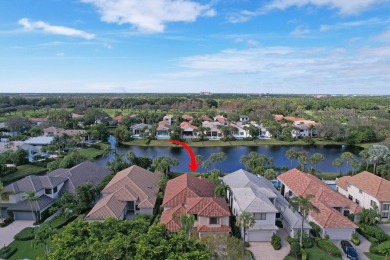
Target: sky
pixel 188 46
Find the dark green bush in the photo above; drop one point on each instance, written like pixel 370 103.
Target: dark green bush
pixel 355 239
pixel 381 249
pixel 276 242
pixel 374 232
pixel 304 254
pixel 291 240
pixel 7 252
pixel 279 224
pixel 329 247
pixel 26 234
pixel 60 222
pixel 315 229
pixel 246 244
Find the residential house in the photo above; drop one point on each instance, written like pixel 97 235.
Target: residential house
pixel 48 188
pixel 132 191
pixel 221 119
pixel 187 194
pixel 56 131
pixel 34 145
pixel 168 119
pixel 263 132
pixel 188 130
pixel 239 132
pixel 214 133
pixel 137 130
pixel 10 146
pixel 118 118
pixel 38 120
pixel 368 190
pixel 244 118
pixel 205 118
pixel 256 195
pixel 334 207
pixel 163 129
pixel 187 118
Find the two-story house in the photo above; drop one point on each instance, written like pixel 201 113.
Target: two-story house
pixel 213 133
pixel 257 195
pixel 368 190
pixel 333 207
pixel 47 189
pixel 163 129
pixel 187 194
pixel 168 119
pixel 132 191
pixel 138 129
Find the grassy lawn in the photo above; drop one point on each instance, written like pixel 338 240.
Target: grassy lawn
pixel 141 142
pixel 314 253
pixel 374 257
pixel 92 153
pixel 328 175
pixel 23 171
pixel 26 249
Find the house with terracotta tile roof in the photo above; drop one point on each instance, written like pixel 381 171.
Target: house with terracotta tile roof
pixel 205 118
pixel 162 131
pixel 214 133
pixel 257 195
pixel 132 191
pixel 188 130
pixel 168 119
pixel 334 207
pixel 187 118
pixel 187 194
pixel 368 190
pixel 221 119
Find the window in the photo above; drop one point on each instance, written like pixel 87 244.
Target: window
pixel 55 189
pixel 213 221
pixel 373 203
pixel 357 201
pixel 48 191
pixel 196 216
pixel 386 207
pixel 350 197
pixel 346 212
pixel 259 216
pixel 385 215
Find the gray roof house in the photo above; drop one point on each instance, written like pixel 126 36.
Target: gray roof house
pixel 47 188
pixel 255 194
pixel 136 130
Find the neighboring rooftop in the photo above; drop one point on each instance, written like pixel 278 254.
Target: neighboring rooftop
pixel 34 184
pixel 40 140
pixel 342 182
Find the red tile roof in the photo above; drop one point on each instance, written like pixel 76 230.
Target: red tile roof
pixel 372 184
pixel 186 186
pixel 303 184
pixel 205 118
pixel 220 118
pixel 118 118
pixel 342 182
pixel 185 125
pixel 187 117
pixel 171 217
pixel 278 117
pixel 208 207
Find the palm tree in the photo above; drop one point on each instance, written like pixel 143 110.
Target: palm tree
pixel 365 156
pixel 348 157
pixel 245 220
pixel 338 163
pixel 315 159
pixel 311 128
pixel 291 154
pixel 304 206
pixel 302 159
pixel 270 174
pixel 187 223
pixel 354 164
pixel 164 164
pixel 86 194
pixel 32 198
pixel 378 153
pixel 221 190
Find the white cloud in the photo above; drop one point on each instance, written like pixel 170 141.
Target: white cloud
pixel 351 24
pixel 299 31
pixel 345 7
pixel 150 16
pixel 385 36
pixel 53 29
pixel 241 17
pixel 252 42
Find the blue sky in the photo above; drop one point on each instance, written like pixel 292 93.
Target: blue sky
pixel 171 46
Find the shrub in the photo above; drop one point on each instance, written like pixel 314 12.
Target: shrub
pixel 279 224
pixel 381 249
pixel 304 255
pixel 315 229
pixel 329 247
pixel 26 234
pixel 351 217
pixel 326 236
pixel 291 240
pixel 355 239
pixel 246 244
pixel 374 232
pixel 295 249
pixel 306 240
pixel 276 242
pixel 7 252
pixel 60 222
pixel 6 222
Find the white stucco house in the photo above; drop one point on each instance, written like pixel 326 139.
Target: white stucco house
pixel 255 194
pixel 367 190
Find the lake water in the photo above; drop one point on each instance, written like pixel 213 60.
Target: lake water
pixel 232 163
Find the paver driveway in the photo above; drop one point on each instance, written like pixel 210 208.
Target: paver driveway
pixel 7 233
pixel 364 246
pixel 264 250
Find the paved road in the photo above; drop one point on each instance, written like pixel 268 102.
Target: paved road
pixel 7 233
pixel 360 249
pixel 385 227
pixel 264 250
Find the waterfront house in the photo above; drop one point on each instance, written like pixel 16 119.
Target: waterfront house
pixel 162 131
pixel 368 190
pixel 214 133
pixel 239 132
pixel 138 129
pixel 334 207
pixel 132 191
pixel 34 145
pixel 187 194
pixel 188 130
pixel 221 119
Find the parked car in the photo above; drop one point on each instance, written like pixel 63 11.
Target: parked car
pixel 349 250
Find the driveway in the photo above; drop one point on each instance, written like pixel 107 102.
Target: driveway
pixel 7 233
pixel 360 249
pixel 385 227
pixel 264 250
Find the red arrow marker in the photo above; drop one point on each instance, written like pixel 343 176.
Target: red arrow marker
pixel 193 165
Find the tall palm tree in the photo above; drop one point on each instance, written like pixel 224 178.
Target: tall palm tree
pixel 187 223
pixel 315 159
pixel 338 163
pixel 245 220
pixel 31 197
pixel 304 206
pixel 378 153
pixel 291 154
pixel 365 156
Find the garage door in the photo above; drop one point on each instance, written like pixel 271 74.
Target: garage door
pixel 259 236
pixel 339 234
pixel 23 215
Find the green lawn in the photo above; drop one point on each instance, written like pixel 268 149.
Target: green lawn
pixel 23 171
pixel 328 175
pixel 141 142
pixel 374 257
pixel 314 253
pixel 26 249
pixel 92 153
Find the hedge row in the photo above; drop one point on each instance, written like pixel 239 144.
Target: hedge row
pixel 329 247
pixel 7 252
pixel 26 234
pixel 60 222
